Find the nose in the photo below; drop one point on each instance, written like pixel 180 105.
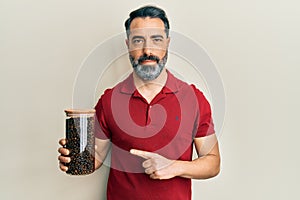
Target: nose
pixel 147 48
pixel 147 51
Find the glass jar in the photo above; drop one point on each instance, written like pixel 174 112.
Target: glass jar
pixel 80 136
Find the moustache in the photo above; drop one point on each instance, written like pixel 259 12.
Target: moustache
pixel 151 57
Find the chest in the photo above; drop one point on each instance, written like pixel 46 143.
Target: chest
pixel 164 125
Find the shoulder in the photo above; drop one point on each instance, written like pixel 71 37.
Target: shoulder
pixel 187 87
pixel 107 93
pixel 189 91
pixel 200 96
pixel 121 87
pixel 197 91
pixel 103 100
pixel 181 85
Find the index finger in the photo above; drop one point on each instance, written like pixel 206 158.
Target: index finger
pixel 143 154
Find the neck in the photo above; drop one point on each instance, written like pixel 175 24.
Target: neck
pixel 149 89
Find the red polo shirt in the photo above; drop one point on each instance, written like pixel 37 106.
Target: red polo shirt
pixel 167 125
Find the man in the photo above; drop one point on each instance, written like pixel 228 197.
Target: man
pixel 151 121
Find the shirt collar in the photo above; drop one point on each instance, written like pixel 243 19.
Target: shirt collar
pixel 128 87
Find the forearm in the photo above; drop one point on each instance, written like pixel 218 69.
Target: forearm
pixel 204 167
pixel 100 157
pixel 101 150
pixel 98 164
pixel 207 165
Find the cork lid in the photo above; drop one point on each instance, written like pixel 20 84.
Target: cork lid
pixel 74 112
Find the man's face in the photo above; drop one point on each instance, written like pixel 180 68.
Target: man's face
pixel 148 47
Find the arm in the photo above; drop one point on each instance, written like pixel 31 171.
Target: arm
pixel 207 164
pixel 101 149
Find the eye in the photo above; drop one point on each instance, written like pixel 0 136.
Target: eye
pixel 137 41
pixel 157 40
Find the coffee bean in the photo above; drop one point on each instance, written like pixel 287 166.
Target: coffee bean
pixel 81 144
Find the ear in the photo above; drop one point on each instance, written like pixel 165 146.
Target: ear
pixel 127 43
pixel 168 41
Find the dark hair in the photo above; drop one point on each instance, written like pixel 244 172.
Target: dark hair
pixel 148 11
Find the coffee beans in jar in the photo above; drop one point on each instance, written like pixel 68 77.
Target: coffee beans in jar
pixel 80 136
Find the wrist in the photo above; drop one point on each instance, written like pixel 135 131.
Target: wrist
pixel 178 167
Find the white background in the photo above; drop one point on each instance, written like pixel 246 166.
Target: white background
pixel 254 44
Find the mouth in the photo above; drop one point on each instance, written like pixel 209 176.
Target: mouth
pixel 148 62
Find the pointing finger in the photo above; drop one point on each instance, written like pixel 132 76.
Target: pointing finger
pixel 143 154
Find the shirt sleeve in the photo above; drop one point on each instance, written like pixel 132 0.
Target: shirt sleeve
pixel 205 124
pixel 101 128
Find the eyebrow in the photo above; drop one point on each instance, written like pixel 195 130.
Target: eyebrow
pixel 156 36
pixel 137 37
pixel 152 36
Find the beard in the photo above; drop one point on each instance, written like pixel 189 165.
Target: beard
pixel 148 72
